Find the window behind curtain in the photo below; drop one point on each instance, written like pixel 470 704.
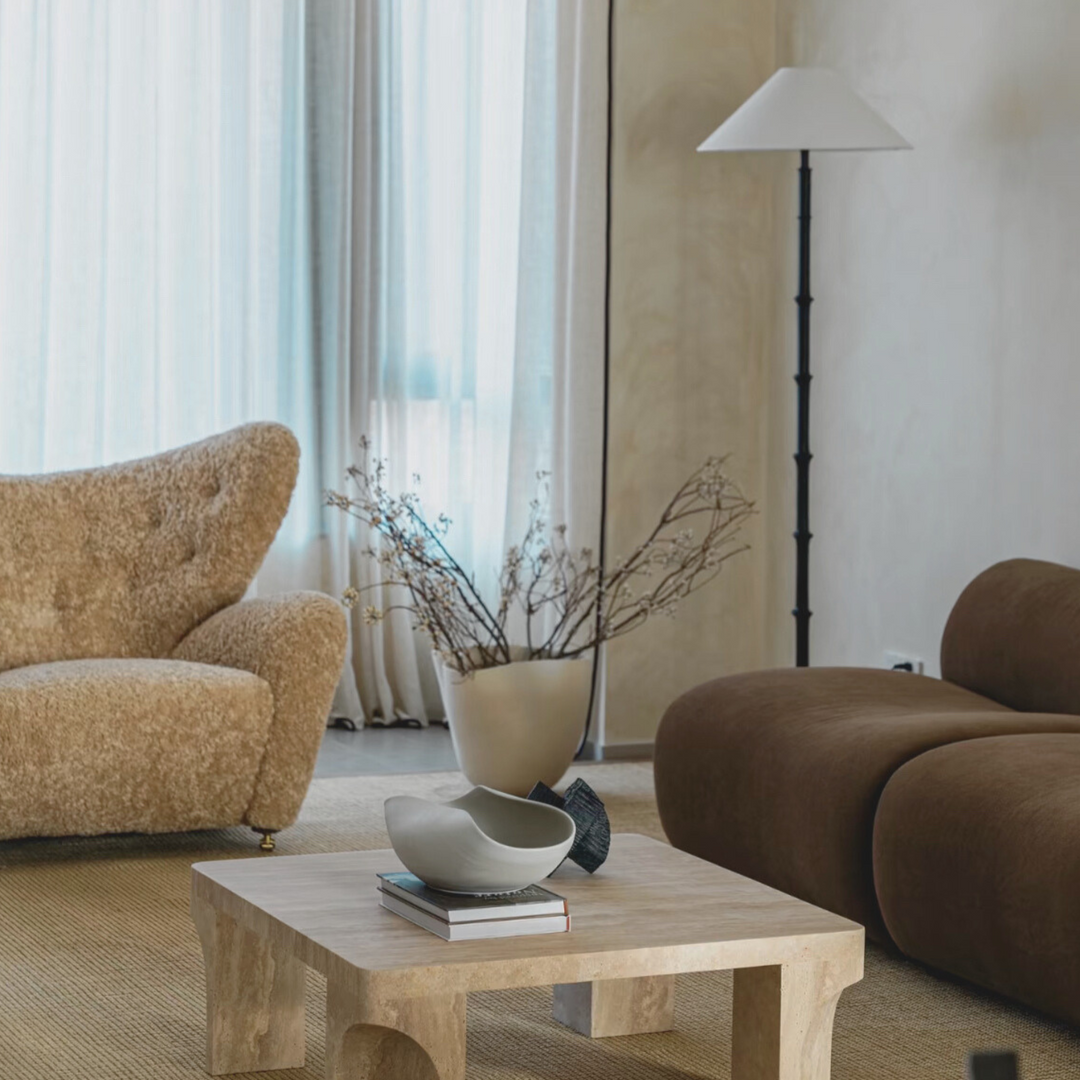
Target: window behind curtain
pixel 477 285
pixel 154 282
pixel 459 385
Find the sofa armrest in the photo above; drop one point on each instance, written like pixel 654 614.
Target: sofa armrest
pixel 296 642
pixel 1011 636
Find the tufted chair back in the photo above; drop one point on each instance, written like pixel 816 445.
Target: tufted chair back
pixel 125 560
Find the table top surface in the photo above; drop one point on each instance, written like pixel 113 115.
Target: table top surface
pixel 650 909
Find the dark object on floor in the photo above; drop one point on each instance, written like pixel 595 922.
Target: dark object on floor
pixel 342 723
pixel 993 1065
pixel 397 722
pixel 593 840
pixel 941 814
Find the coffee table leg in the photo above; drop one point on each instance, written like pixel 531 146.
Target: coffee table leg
pixel 406 1039
pixel 783 1018
pixel 617 1006
pixel 254 998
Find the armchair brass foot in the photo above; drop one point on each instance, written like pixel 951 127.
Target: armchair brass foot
pixel 267 843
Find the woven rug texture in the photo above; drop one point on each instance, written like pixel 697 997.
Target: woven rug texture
pixel 101 971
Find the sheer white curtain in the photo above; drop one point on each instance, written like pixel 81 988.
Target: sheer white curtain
pixel 354 216
pixel 155 261
pixel 477 279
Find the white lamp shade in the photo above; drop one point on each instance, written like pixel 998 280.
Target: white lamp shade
pixel 805 109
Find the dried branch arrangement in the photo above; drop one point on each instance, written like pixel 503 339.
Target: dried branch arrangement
pixel 559 596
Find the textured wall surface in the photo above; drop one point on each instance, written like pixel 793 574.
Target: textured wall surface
pixel 947 317
pixel 691 319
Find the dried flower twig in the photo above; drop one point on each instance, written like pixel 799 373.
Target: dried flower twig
pixel 566 605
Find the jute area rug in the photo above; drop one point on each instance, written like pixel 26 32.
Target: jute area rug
pixel 101 971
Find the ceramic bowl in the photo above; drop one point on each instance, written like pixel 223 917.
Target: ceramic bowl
pixel 484 842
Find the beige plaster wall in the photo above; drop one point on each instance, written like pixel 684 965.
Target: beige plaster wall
pixel 947 316
pixel 692 294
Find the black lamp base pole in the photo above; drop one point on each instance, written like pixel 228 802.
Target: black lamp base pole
pixel 802 454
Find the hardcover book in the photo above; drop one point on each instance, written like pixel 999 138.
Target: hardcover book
pixel 455 908
pixel 475 929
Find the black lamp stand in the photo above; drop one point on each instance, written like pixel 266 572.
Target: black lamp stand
pixel 802 454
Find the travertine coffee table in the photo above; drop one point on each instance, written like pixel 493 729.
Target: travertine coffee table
pixel 396 994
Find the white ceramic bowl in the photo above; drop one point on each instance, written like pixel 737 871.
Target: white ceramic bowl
pixel 484 842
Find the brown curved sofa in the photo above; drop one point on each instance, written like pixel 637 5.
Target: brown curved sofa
pixel 944 815
pixel 138 692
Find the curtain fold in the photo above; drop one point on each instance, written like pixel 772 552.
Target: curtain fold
pixel 477 282
pixel 380 217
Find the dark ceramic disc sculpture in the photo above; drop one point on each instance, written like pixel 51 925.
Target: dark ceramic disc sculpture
pixel 593 840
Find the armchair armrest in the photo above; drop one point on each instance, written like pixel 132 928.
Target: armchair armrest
pixel 296 642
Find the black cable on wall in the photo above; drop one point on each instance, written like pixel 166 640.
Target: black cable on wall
pixel 605 423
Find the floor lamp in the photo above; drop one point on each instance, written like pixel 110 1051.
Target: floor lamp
pixel 804 109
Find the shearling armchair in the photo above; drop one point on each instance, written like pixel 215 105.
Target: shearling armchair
pixel 138 693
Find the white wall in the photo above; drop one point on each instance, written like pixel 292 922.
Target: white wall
pixel 946 398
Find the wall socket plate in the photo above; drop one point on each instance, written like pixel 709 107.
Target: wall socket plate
pixel 898 661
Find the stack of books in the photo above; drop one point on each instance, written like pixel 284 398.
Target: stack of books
pixel 534 910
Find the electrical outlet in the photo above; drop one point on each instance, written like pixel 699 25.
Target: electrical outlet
pixel 897 661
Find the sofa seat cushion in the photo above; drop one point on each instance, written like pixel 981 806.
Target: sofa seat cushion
pixel 977 866
pixel 777 774
pixel 100 746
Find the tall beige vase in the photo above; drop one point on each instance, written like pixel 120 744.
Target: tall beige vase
pixel 518 723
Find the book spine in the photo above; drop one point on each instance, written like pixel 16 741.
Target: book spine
pixel 475 931
pixel 431 923
pixel 476 914
pixel 391 889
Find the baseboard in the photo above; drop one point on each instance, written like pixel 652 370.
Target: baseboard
pixel 624 751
